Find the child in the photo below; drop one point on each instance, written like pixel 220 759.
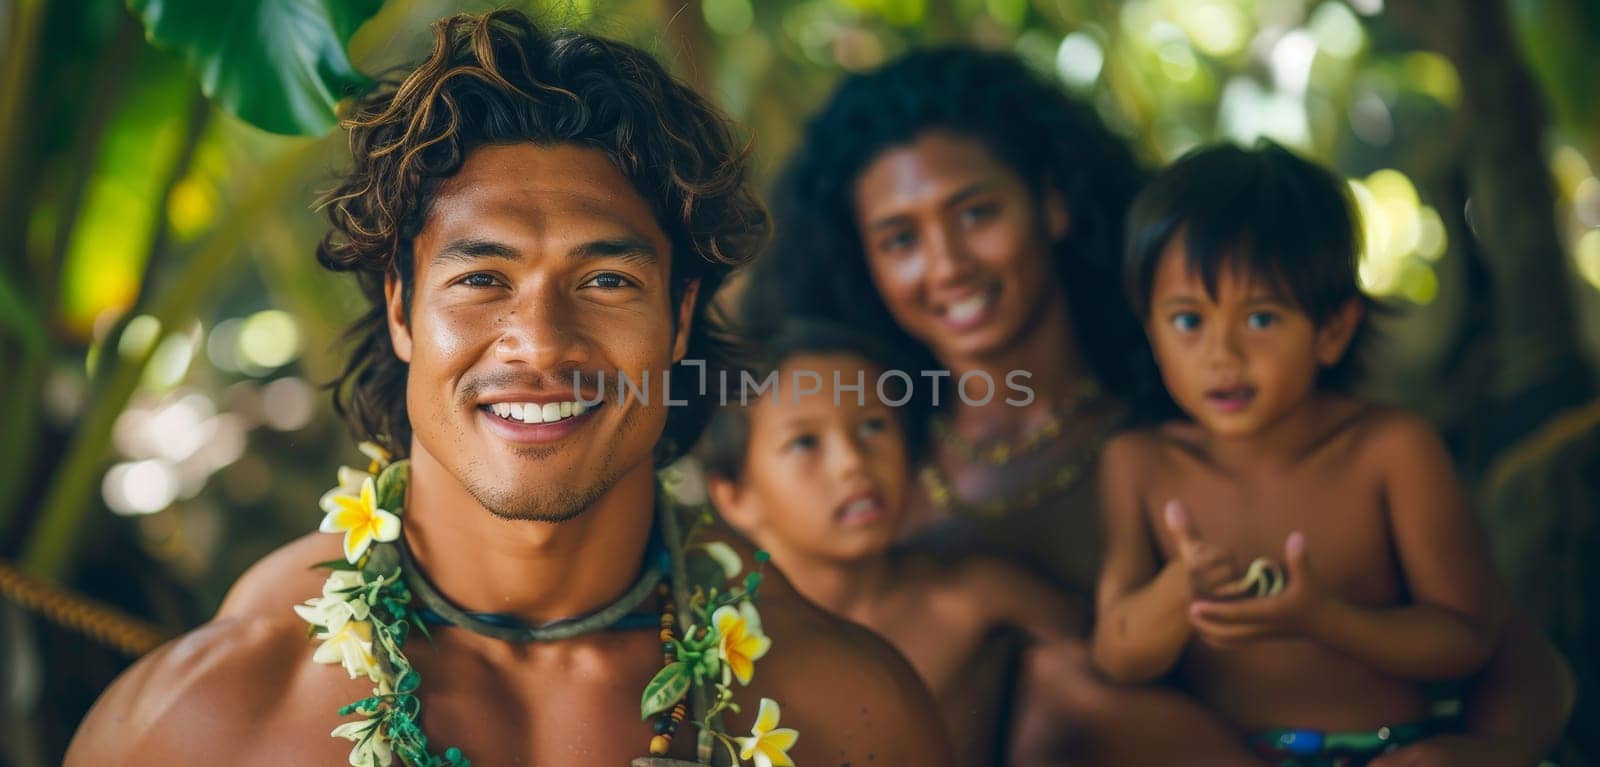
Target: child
pixel 1243 267
pixel 817 480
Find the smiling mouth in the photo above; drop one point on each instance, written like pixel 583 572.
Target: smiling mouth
pixel 970 311
pixel 863 508
pixel 536 413
pixel 1231 399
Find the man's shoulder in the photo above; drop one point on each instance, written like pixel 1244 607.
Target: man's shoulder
pixel 287 576
pixel 215 684
pixel 208 685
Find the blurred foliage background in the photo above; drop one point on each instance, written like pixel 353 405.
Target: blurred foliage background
pixel 164 327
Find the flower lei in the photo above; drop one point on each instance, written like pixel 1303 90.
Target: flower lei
pixel 365 615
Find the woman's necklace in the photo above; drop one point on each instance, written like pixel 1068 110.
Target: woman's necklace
pixel 1001 452
pixel 376 595
pixel 1072 468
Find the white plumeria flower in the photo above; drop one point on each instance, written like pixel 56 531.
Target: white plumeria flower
pixel 768 745
pixel 685 481
pixel 333 609
pixel 331 614
pixel 725 557
pixel 371 751
pixel 361 521
pixel 350 646
pixel 740 642
pixel 379 456
pixel 340 582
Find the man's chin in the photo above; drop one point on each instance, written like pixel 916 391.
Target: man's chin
pixel 546 504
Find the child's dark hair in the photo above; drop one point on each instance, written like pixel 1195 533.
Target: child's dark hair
pixel 1264 210
pixel 727 438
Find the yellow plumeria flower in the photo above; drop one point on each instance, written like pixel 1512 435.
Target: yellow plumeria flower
pixel 768 745
pixel 740 642
pixel 350 646
pixel 350 481
pixel 361 521
pixel 371 751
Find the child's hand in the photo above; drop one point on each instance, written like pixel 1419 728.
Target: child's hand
pixel 1213 573
pixel 1290 612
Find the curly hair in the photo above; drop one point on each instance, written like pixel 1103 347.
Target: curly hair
pixel 817 265
pixel 498 78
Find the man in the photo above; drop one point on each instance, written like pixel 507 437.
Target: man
pixel 524 210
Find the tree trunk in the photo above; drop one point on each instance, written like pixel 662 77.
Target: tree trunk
pixel 1535 366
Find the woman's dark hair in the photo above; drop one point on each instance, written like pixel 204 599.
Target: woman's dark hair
pixel 817 265
pixel 723 449
pixel 1266 211
pixel 497 79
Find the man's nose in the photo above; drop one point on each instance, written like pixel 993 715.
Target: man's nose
pixel 541 331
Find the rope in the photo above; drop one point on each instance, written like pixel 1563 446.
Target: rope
pixel 96 620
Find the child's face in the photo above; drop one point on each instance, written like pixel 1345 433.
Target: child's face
pixel 824 474
pixel 1239 360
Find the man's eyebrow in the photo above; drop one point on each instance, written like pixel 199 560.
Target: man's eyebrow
pixel 468 249
pixel 630 248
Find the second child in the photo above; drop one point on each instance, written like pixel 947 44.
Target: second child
pixel 816 474
pixel 1303 559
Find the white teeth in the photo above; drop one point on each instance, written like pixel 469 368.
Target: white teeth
pixel 966 308
pixel 858 507
pixel 533 412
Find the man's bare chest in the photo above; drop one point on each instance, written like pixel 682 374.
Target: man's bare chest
pixel 508 705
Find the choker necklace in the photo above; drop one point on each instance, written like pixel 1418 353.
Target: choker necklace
pixel 436 609
pixel 710 629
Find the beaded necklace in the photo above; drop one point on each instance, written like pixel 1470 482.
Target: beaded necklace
pixel 377 595
pixel 1002 452
pixel 1072 469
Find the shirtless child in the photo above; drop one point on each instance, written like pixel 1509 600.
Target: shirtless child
pixel 1243 266
pixel 818 480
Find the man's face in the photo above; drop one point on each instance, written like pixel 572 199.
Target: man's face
pixel 957 244
pixel 536 263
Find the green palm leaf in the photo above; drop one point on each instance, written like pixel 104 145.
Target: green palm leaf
pixel 280 65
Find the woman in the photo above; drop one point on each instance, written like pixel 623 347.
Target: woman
pixel 972 213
